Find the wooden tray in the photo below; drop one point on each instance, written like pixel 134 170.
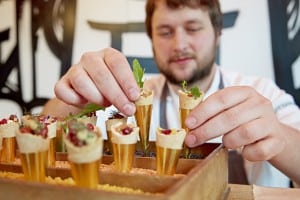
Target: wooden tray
pixel 205 178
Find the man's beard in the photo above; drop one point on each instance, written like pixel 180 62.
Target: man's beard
pixel 198 74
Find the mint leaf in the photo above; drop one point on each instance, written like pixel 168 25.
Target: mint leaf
pixel 138 72
pixel 194 91
pixel 86 110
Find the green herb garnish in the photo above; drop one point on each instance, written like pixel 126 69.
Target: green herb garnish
pixel 86 110
pixel 138 72
pixel 194 91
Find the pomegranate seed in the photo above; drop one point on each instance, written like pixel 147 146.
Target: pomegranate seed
pixel 166 131
pixel 126 131
pixel 90 126
pixel 3 121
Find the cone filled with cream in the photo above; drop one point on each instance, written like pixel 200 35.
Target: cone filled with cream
pixel 8 128
pixel 187 102
pixel 33 142
pixel 51 123
pixel 124 138
pixel 113 119
pixel 169 143
pixel 143 117
pixel 84 145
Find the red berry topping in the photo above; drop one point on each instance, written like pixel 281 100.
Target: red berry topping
pixel 80 134
pixel 3 121
pixel 13 118
pixel 25 129
pixel 127 130
pixel 90 126
pixel 166 131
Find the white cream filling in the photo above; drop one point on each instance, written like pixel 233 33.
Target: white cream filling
pixel 145 99
pixel 29 143
pixel 9 130
pixel 85 154
pixel 118 138
pixel 171 141
pixel 188 102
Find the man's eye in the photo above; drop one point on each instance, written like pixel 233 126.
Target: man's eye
pixel 164 33
pixel 193 29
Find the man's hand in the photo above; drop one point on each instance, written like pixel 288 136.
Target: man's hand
pixel 104 78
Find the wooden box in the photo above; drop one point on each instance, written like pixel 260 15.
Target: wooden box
pixel 204 178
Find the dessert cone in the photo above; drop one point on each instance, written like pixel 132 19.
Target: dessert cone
pixel 109 123
pixel 187 103
pixel 50 123
pixel 33 153
pixel 124 145
pixel 8 133
pixel 85 159
pixel 169 144
pixel 143 118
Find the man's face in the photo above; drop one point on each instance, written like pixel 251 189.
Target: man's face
pixel 184 43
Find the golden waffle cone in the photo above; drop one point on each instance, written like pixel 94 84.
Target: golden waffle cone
pixel 8 133
pixel 8 153
pixel 34 165
pixel 109 123
pixel 167 160
pixel 186 104
pixel 86 175
pixel 143 117
pixel 123 147
pixel 84 162
pixel 34 155
pixel 123 157
pixel 168 150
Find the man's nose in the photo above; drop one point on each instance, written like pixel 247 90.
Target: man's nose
pixel 180 40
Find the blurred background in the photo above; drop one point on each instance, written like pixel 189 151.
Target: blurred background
pixel 41 39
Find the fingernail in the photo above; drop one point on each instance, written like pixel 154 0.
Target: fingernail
pixel 134 93
pixel 190 122
pixel 129 109
pixel 190 140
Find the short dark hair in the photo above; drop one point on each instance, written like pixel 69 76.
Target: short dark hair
pixel 215 13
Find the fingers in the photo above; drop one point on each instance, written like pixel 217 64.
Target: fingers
pixel 229 115
pixel 122 72
pixel 114 81
pixel 245 134
pixel 263 150
pixel 216 103
pixel 102 77
pixel 64 90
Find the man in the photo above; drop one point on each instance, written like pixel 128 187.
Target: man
pixel 250 114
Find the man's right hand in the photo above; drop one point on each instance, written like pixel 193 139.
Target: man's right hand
pixel 104 78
